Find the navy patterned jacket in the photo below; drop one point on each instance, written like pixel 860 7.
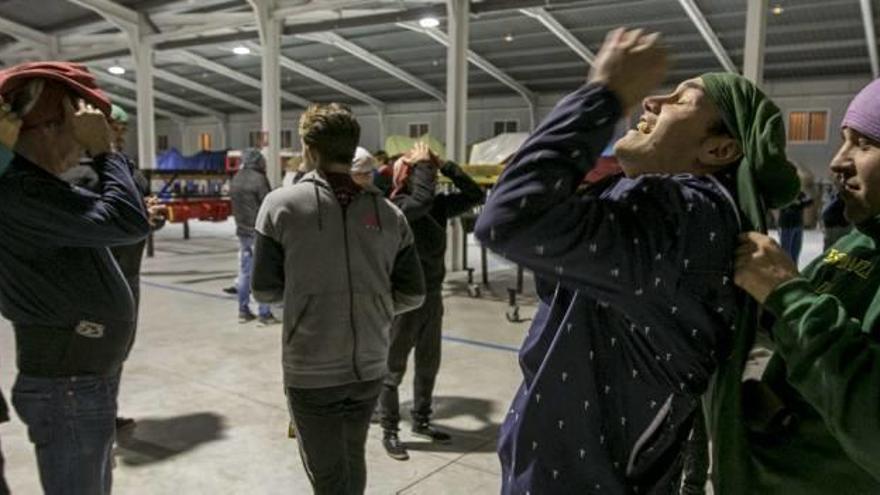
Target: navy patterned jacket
pixel 637 307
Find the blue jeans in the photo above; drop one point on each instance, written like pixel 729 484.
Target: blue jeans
pixel 71 422
pixel 245 269
pixel 792 239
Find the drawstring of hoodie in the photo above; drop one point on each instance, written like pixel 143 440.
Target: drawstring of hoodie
pixel 318 201
pixel 376 212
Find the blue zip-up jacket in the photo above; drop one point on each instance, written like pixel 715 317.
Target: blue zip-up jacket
pixel 72 309
pixel 637 306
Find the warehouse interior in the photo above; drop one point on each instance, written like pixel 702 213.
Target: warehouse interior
pixel 220 76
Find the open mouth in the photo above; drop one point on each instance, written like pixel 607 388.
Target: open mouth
pixel 845 184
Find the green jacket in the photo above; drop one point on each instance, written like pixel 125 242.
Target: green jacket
pixel 812 426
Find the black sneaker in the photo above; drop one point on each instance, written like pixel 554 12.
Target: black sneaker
pixel 246 317
pixel 425 430
pixel 230 290
pixel 394 447
pixel 267 321
pixel 124 424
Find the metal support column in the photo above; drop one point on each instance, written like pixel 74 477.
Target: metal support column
pixel 383 128
pixel 146 112
pixel 756 31
pixel 870 36
pixel 456 108
pixel 270 41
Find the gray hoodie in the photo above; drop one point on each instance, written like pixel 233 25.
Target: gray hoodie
pixel 343 275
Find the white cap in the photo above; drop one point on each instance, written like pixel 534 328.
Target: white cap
pixel 363 162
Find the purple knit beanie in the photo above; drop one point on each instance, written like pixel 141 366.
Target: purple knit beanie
pixel 863 114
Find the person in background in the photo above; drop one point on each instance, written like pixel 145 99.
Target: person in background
pixel 363 167
pixel 343 261
pixel 70 306
pixel 129 257
pixel 384 172
pixel 819 391
pixel 642 307
pixel 10 125
pixel 791 225
pixel 415 193
pixel 834 222
pixel 248 189
pixel 381 157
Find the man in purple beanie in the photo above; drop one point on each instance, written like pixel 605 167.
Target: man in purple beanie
pixel 811 423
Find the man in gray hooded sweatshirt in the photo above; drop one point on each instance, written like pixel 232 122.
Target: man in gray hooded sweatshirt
pixel 342 259
pixel 248 189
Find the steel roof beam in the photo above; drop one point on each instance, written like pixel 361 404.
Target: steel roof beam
pixel 285 12
pixel 231 73
pixel 174 100
pixel 376 61
pixel 324 79
pixel 133 105
pixel 483 64
pixel 552 25
pixel 26 34
pixel 708 33
pixel 112 11
pixel 208 91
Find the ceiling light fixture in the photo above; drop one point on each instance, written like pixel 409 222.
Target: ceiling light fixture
pixel 116 70
pixel 778 10
pixel 508 37
pixel 241 50
pixel 429 22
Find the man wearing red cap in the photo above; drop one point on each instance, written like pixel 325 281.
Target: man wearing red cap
pixel 10 125
pixel 72 311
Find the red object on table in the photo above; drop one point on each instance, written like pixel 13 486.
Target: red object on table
pixel 213 210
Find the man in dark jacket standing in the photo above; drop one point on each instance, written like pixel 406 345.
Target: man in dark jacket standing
pixel 427 212
pixel 342 259
pixel 10 125
pixel 644 305
pixel 129 257
pixel 248 189
pixel 72 310
pixel 791 225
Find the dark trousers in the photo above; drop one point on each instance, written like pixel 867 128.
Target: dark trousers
pixel 792 239
pixel 419 329
pixel 331 430
pixel 696 458
pixel 4 417
pixel 70 421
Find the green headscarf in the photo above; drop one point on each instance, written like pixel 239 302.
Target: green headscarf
pixel 117 114
pixel 765 177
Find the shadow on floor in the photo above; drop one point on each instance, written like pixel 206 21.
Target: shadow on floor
pixel 159 439
pixel 481 439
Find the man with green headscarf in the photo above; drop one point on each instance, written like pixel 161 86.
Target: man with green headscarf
pixel 809 424
pixel 638 306
pixel 128 257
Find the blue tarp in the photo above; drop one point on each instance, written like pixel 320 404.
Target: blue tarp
pixel 214 161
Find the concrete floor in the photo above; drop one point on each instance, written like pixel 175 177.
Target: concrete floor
pixel 209 402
